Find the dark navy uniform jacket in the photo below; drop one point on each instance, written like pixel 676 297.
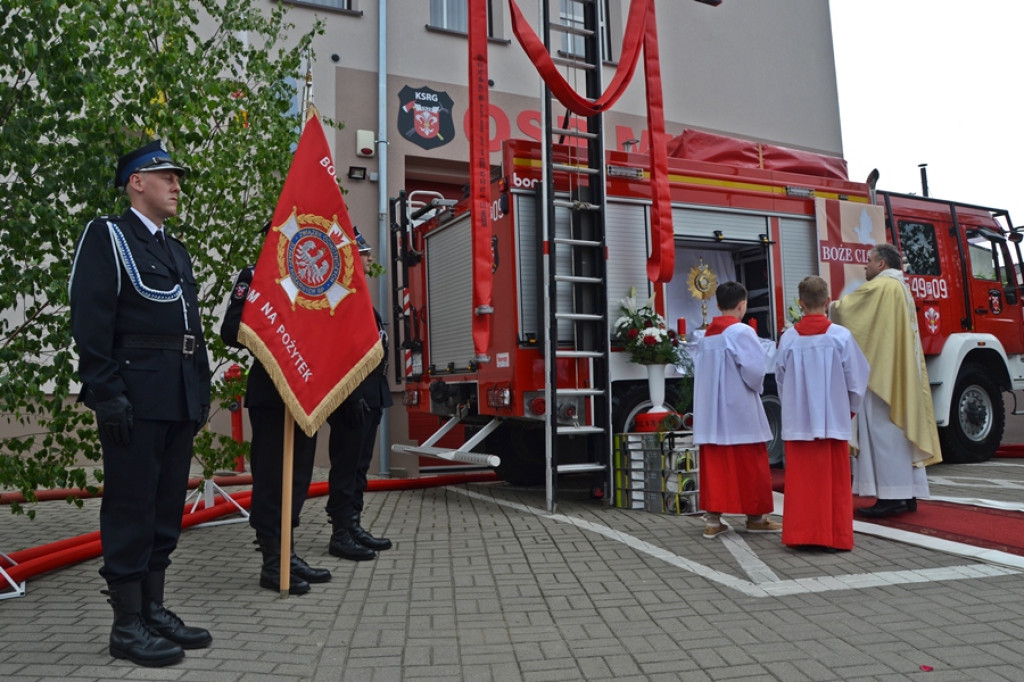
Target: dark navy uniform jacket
pixel 123 286
pixel 260 390
pixel 374 388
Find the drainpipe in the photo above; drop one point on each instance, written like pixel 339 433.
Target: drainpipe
pixel 382 203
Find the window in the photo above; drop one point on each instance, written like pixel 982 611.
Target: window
pixel 920 250
pixel 453 15
pixel 988 259
pixel 571 14
pixel 331 4
pixel 606 31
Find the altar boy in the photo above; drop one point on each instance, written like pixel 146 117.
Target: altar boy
pixel 822 376
pixel 729 423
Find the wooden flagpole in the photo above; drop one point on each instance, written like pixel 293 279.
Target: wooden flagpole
pixel 288 454
pixel 286 502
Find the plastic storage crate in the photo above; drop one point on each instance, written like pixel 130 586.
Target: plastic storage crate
pixel 657 472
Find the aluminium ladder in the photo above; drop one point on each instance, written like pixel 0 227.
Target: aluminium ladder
pixel 576 334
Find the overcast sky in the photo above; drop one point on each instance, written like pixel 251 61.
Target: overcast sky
pixel 937 82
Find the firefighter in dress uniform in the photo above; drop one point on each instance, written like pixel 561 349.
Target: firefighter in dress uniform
pixel 144 370
pixel 266 459
pixel 353 434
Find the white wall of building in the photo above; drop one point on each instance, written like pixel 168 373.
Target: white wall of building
pixel 761 69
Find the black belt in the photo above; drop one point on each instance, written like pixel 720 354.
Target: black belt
pixel 186 343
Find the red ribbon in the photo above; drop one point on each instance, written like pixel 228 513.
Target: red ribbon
pixel 641 30
pixel 480 175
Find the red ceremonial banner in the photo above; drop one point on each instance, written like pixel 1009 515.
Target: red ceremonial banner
pixel 308 316
pixel 846 232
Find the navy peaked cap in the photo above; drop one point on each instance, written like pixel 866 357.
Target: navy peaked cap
pixel 364 246
pixel 152 156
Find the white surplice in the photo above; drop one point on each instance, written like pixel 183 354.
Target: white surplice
pixel 821 379
pixel 729 373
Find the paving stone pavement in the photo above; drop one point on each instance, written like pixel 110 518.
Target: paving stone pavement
pixel 483 585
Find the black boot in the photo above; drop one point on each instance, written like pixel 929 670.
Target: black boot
pixel 344 545
pixel 883 508
pixel 363 537
pixel 165 622
pixel 130 638
pixel 307 572
pixel 270 574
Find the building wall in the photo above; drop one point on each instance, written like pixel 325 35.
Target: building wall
pixel 761 69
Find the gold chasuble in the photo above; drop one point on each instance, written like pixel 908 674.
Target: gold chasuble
pixel 893 349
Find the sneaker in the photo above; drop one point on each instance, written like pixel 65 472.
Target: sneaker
pixel 764 526
pixel 714 531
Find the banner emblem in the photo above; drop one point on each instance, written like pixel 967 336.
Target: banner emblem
pixel 425 116
pixel 315 260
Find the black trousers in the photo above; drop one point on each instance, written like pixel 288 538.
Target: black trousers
pixel 350 449
pixel 144 486
pixel 266 461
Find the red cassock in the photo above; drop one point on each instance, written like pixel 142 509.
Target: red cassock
pixel 819 499
pixel 822 376
pixel 736 479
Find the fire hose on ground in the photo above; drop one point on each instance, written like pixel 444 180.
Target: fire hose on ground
pixel 31 562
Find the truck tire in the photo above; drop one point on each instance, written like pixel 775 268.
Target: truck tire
pixel 773 410
pixel 976 418
pixel 522 452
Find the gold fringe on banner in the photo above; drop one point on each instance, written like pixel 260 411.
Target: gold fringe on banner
pixel 310 423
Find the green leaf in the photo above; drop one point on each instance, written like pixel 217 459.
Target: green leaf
pixel 72 101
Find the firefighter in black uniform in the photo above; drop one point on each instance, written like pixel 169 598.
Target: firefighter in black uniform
pixel 144 370
pixel 353 433
pixel 266 459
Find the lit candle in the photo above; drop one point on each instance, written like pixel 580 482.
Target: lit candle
pixel 681 326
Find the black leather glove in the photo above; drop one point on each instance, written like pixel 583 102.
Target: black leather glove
pixel 114 419
pixel 204 415
pixel 356 413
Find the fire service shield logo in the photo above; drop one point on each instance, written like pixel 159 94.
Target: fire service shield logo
pixel 315 260
pixel 995 301
pixel 425 116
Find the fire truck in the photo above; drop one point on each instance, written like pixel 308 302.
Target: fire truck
pixel 761 215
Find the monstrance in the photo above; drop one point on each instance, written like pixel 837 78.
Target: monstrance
pixel 703 283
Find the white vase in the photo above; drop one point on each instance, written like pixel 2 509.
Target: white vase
pixel 656 387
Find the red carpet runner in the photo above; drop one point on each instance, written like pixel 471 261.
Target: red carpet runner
pixel 996 529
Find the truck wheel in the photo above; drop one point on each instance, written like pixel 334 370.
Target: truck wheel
pixel 522 452
pixel 773 410
pixel 976 418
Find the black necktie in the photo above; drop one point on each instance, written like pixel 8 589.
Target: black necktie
pixel 167 248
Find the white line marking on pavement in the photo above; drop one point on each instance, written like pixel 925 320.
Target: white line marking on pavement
pixel 769 588
pixel 976 482
pixel 991 556
pixel 748 559
pixel 979 502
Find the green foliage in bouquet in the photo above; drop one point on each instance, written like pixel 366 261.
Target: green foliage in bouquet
pixel 644 334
